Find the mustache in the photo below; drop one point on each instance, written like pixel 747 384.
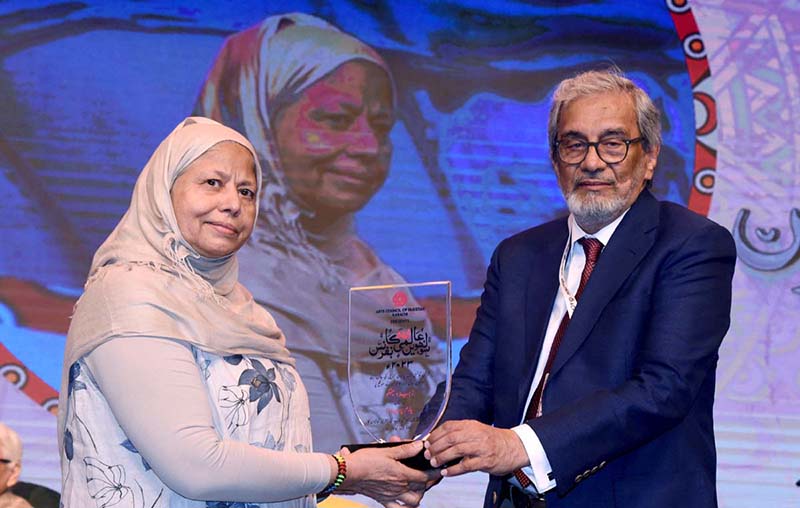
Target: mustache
pixel 593 181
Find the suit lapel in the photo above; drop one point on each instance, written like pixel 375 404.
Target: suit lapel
pixel 628 246
pixel 539 294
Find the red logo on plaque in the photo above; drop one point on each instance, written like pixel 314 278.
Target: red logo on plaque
pixel 399 299
pixel 404 334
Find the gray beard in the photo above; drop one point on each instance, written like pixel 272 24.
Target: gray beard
pixel 593 213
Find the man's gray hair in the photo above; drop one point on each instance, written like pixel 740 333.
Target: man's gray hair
pixel 10 444
pixel 606 81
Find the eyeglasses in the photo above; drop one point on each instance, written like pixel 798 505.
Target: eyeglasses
pixel 610 150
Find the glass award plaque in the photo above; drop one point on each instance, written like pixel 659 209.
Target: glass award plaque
pixel 399 361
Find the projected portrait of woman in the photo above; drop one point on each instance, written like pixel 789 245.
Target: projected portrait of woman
pixel 318 105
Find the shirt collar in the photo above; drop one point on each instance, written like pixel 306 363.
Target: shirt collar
pixel 604 235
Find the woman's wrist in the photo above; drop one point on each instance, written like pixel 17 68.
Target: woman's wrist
pixel 338 476
pixel 333 466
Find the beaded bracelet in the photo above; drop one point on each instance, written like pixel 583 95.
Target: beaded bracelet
pixel 337 482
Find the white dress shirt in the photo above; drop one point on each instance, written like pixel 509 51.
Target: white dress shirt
pixel 540 471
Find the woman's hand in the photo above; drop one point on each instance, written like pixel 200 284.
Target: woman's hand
pixel 376 472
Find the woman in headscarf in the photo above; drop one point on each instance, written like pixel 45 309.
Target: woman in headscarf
pixel 178 388
pixel 318 105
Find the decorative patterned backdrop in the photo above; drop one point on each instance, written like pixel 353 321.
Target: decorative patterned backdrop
pixel 753 49
pixel 87 90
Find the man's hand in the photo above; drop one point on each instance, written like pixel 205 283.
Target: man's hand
pixel 480 447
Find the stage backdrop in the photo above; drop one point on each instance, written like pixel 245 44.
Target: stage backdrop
pixel 87 90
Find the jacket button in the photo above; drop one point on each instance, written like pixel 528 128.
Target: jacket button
pixel 494 497
pixel 602 464
pixel 578 478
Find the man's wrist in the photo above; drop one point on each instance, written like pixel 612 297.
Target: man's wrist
pixel 519 456
pixel 538 467
pixel 526 436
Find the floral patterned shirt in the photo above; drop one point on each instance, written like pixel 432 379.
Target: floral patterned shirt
pixel 253 400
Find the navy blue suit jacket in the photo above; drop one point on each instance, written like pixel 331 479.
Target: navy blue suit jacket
pixel 627 413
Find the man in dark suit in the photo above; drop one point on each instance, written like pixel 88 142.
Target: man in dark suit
pixel 588 377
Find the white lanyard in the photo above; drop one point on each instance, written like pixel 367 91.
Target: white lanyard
pixel 572 302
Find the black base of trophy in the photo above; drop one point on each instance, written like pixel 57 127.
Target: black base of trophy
pixel 418 461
